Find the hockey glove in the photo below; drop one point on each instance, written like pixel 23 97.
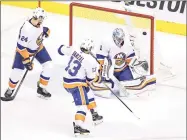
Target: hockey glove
pixel 28 64
pixel 46 31
pixel 98 78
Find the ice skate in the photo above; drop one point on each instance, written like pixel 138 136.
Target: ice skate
pixel 79 131
pixel 8 93
pixel 97 119
pixel 43 93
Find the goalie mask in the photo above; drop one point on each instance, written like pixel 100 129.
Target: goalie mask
pixel 87 45
pixel 118 37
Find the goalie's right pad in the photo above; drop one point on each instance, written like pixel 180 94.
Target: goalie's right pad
pixel 99 89
pixel 140 85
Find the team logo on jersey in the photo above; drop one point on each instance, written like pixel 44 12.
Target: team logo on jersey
pixel 39 39
pixel 120 58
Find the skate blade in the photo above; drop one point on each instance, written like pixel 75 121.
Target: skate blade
pixel 43 97
pixel 7 98
pixel 81 135
pixel 95 123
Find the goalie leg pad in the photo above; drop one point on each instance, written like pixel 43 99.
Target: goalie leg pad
pixel 139 83
pixel 99 89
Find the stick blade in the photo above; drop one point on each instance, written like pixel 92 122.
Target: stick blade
pixel 136 116
pixel 6 99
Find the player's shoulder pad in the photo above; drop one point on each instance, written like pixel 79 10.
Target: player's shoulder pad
pixel 27 27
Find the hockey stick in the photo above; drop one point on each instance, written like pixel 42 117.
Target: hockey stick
pixel 40 40
pixel 113 91
pixel 121 100
pixel 13 97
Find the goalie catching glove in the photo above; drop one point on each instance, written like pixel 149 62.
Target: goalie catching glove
pixel 139 67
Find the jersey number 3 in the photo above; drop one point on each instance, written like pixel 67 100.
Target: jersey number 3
pixel 76 66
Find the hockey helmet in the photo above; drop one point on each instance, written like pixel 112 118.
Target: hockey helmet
pixel 39 13
pixel 86 46
pixel 118 37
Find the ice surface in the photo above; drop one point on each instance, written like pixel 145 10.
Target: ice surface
pixel 162 113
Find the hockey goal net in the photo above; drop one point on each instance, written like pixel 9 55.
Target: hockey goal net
pixel 96 22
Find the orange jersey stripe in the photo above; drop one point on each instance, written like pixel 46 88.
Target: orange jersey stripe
pixel 74 85
pixel 24 53
pixel 82 95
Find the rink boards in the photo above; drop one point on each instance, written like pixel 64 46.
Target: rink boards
pixel 63 8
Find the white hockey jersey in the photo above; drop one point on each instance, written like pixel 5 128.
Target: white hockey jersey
pixel 109 49
pixel 81 67
pixel 30 38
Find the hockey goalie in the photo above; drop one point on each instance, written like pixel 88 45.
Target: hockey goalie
pixel 120 69
pixel 162 69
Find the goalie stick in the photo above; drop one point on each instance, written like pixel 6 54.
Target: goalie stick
pixel 113 91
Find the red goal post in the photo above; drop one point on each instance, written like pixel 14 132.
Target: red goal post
pixel 73 5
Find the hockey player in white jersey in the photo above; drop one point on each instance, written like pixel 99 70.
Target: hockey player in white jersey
pixel 161 68
pixel 30 42
pixel 124 65
pixel 82 68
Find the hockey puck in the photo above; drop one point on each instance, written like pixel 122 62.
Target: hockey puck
pixel 144 33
